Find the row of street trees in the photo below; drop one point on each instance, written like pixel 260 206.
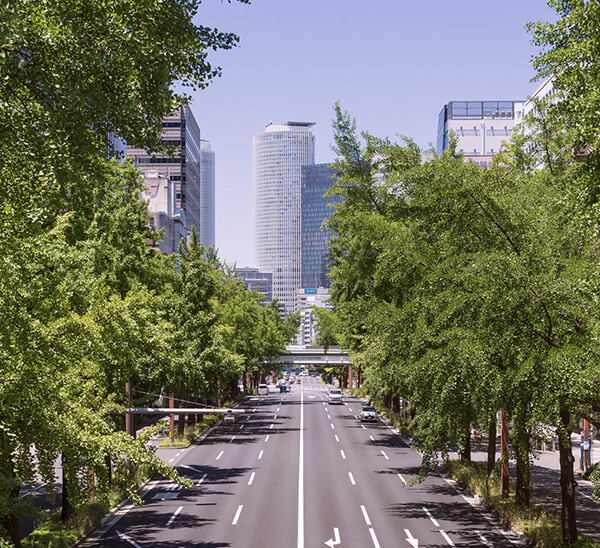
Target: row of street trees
pixel 471 290
pixel 85 304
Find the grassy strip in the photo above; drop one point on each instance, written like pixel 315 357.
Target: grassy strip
pixel 54 533
pixel 190 432
pixel 542 527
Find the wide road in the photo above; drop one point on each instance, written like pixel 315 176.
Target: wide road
pixel 298 472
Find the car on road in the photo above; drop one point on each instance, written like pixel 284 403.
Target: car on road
pixel 368 413
pixel 335 395
pixel 263 390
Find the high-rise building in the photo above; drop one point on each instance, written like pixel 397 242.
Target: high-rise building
pixel 182 167
pixel 317 179
pixel 160 194
pixel 207 194
pixel 278 156
pixel 256 280
pixel 306 301
pixel 480 126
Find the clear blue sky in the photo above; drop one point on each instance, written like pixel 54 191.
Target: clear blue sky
pixel 392 64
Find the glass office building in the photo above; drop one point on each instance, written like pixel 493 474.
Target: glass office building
pixel 278 155
pixel 206 228
pixel 316 181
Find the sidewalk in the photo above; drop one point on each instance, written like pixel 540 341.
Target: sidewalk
pixel 545 488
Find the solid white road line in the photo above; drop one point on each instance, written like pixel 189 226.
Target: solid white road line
pixel 251 478
pixel 383 453
pixel 485 541
pixel 447 538
pixel 220 455
pixel 202 479
pixel 351 478
pixel 430 517
pixel 301 477
pixel 343 454
pixel 260 455
pixel 374 538
pixel 365 515
pixel 172 519
pixel 237 515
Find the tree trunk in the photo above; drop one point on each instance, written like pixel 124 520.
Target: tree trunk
pixel 465 453
pixel 10 519
pixel 491 452
pixel 504 473
pixel 67 510
pixel 523 472
pixel 386 400
pixel 567 480
pixel 396 404
pixel 180 425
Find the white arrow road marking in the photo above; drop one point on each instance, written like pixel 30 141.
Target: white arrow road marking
pixel 402 479
pixel 122 536
pixel 447 538
pixel 484 540
pixel 174 516
pixel 374 538
pixel 237 515
pixel 336 538
pixel 430 517
pixel 412 540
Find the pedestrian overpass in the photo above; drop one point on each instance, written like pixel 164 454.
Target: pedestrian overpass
pixel 314 356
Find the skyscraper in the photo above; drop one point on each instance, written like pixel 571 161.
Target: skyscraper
pixel 183 167
pixel 317 179
pixel 206 228
pixel 278 156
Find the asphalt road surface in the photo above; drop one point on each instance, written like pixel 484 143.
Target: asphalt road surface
pixel 295 471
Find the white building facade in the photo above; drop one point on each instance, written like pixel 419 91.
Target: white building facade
pixel 278 155
pixel 481 127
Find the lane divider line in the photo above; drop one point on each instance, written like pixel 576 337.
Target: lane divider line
pixel 237 515
pixel 260 454
pixel 301 477
pixel 351 478
pixel 174 516
pixel 251 478
pixel 220 455
pixel 448 540
pixel 374 538
pixel 383 453
pixel 430 517
pixel 343 454
pixel 365 515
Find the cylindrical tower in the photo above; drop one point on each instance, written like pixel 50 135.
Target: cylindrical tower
pixel 278 155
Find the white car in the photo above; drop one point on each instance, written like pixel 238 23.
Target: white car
pixel 368 413
pixel 335 396
pixel 263 390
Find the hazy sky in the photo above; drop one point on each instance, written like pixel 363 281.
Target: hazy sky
pixel 392 64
